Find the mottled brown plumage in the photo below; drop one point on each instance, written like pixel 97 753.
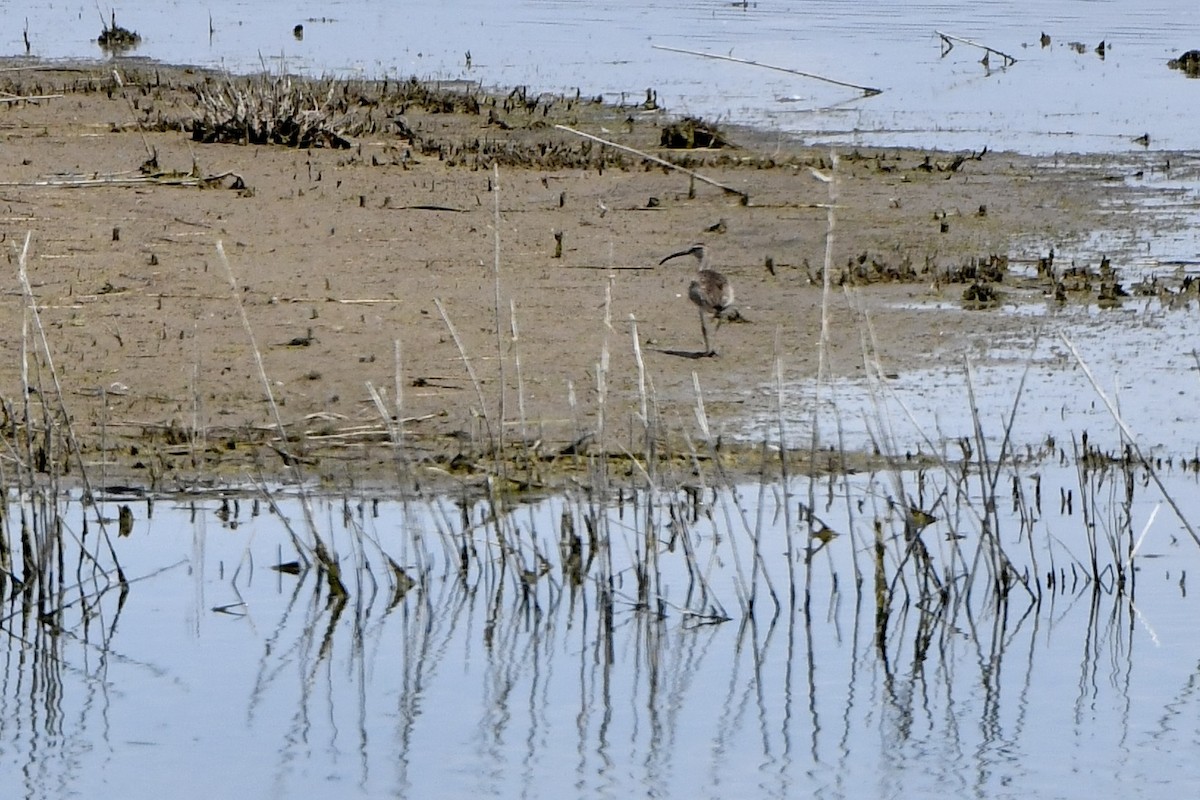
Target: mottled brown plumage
pixel 710 291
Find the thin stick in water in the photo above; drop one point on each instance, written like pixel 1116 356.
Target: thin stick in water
pixel 948 45
pixel 867 91
pixel 1116 415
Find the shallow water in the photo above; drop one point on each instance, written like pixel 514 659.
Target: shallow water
pixel 219 677
pixel 1052 99
pixel 1074 369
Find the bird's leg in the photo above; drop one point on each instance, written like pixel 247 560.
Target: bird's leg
pixel 708 350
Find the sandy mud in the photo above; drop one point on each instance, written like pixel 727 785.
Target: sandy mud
pixel 381 265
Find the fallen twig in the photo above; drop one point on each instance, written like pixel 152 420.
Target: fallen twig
pixel 948 45
pixel 27 98
pixel 133 180
pixel 613 267
pixel 745 197
pixel 867 91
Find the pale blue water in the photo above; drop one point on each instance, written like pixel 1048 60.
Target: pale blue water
pixel 218 677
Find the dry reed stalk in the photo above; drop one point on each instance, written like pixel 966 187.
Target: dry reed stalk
pixel 499 454
pixel 866 90
pixel 600 465
pixel 784 476
pixel 320 553
pixel 30 98
pixel 72 441
pixel 949 40
pixel 462 352
pixel 643 409
pixel 832 183
pixel 515 345
pixel 1131 439
pixel 398 387
pixel 741 585
pixel 744 589
pixel 1001 567
pixel 280 428
pixel 124 179
pixel 661 162
pixel 1085 507
pixel 151 153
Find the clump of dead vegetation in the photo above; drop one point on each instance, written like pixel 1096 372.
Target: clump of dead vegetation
pixel 270 110
pixel 114 38
pixel 870 268
pixel 1188 63
pixel 691 133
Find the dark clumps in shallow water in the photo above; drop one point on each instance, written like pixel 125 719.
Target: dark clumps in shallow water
pixel 1188 63
pixel 116 38
pixel 869 268
pixel 980 295
pixel 990 269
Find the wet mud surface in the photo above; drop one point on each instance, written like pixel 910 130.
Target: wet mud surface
pixel 369 261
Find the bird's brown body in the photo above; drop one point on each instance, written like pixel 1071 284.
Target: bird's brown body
pixel 711 291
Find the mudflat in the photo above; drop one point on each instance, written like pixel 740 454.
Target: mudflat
pixel 465 273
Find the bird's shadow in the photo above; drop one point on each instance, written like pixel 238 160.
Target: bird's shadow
pixel 692 354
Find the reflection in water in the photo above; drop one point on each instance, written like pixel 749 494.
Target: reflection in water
pixel 951 630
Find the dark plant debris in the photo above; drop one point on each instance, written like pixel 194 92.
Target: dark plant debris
pixel 1188 63
pixel 114 38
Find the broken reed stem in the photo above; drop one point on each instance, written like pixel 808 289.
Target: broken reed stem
pixel 866 90
pixel 741 586
pixel 643 410
pixel 998 564
pixel 132 180
pixel 29 98
pixel 496 306
pixel 661 162
pixel 789 546
pixel 514 343
pixel 602 386
pixel 1116 415
pixel 649 428
pixel 25 393
pixel 462 352
pixel 948 40
pixel 322 555
pixel 72 440
pixel 258 361
pixel 150 153
pixel 398 382
pixel 831 182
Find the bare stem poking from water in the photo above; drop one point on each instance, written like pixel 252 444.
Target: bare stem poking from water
pixel 866 90
pixel 72 441
pixel 949 40
pixel 661 162
pixel 1128 434
pixel 496 310
pixel 324 558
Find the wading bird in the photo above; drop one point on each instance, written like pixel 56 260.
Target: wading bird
pixel 710 291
